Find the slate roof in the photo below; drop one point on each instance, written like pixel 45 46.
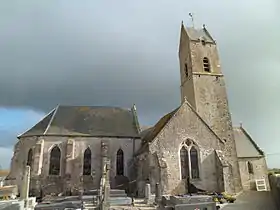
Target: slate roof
pixel 87 121
pixel 245 145
pixel 145 130
pixel 197 34
pixel 152 132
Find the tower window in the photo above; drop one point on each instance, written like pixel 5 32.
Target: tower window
pixel 186 70
pixel 206 64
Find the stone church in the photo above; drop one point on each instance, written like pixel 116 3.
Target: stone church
pixel 196 139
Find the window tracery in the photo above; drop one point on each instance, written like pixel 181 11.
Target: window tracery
pixel 189 160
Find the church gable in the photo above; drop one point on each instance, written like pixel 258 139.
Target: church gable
pixel 184 134
pixel 180 124
pixel 245 145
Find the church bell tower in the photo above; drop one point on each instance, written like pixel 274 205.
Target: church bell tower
pixel 203 85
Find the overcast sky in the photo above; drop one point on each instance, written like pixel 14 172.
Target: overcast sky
pixel 98 52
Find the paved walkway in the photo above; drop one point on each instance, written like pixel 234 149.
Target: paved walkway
pixel 252 201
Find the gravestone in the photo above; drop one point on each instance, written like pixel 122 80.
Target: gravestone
pixel 192 202
pixel 158 194
pixel 25 184
pixel 147 193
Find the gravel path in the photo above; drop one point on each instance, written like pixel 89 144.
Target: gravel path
pixel 252 201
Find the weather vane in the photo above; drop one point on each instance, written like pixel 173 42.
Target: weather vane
pixel 191 16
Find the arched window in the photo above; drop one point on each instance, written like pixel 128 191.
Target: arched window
pixel 250 168
pixel 29 158
pixel 206 64
pixel 184 159
pixel 87 162
pixel 189 160
pixel 120 162
pixel 194 163
pixel 55 156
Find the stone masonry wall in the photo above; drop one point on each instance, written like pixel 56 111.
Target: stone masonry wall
pixel 75 163
pixel 274 181
pixel 260 172
pixel 213 107
pixel 185 124
pixel 207 94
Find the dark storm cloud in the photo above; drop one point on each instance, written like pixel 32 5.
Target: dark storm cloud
pixel 124 52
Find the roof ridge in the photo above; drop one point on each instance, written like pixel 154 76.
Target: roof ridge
pixel 100 106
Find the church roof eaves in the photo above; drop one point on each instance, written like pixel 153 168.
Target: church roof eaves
pixel 87 121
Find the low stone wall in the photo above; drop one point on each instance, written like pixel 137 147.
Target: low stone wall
pixel 274 181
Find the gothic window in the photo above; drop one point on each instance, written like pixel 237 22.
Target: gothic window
pixel 184 158
pixel 29 158
pixel 55 156
pixel 87 162
pixel 194 163
pixel 189 160
pixel 120 162
pixel 206 64
pixel 186 70
pixel 250 168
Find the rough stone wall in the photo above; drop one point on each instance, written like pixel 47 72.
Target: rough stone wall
pixel 220 174
pixel 143 172
pixel 274 181
pixel 185 124
pixel 212 105
pixel 71 165
pixel 260 172
pixel 207 94
pixel 19 161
